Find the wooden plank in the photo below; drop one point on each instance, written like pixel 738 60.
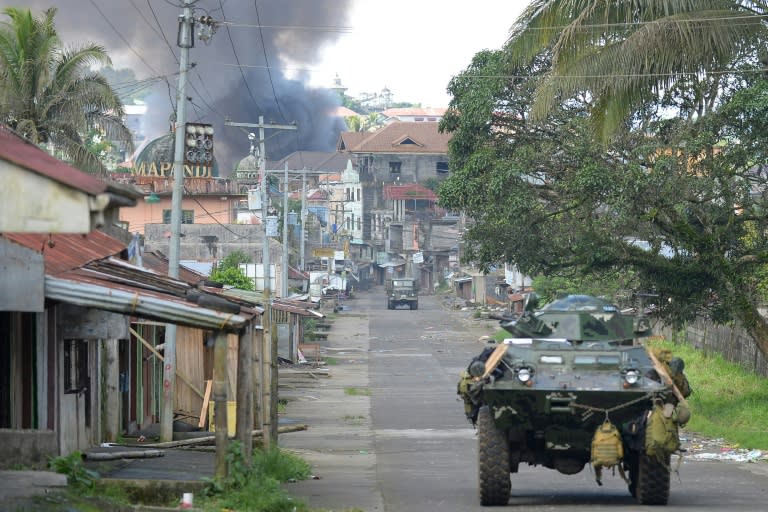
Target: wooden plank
pixel 160 357
pixel 495 358
pixel 665 376
pixel 206 399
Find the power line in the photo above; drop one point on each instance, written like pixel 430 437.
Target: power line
pixel 234 51
pixel 342 30
pixel 747 19
pixel 141 58
pixel 161 33
pixel 266 61
pixel 96 6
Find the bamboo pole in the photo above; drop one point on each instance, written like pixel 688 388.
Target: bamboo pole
pixel 220 408
pixel 132 454
pixel 245 391
pixel 212 438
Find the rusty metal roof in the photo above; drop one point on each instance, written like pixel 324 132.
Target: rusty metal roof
pixel 409 191
pixel 75 264
pixel 157 261
pixel 63 252
pixel 16 149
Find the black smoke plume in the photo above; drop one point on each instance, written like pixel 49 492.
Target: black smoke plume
pixel 141 35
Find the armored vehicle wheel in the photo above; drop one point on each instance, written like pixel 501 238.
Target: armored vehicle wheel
pixel 493 467
pixel 631 468
pixel 652 481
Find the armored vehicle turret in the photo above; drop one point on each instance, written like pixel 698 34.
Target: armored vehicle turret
pixel 573 386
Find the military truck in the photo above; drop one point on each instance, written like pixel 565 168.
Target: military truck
pixel 402 291
pixel 573 386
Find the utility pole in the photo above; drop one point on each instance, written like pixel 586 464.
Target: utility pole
pixel 284 280
pixel 303 218
pixel 185 42
pixel 270 356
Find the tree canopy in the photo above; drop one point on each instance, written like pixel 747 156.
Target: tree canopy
pixel 50 95
pixel 228 271
pixel 676 208
pixel 620 52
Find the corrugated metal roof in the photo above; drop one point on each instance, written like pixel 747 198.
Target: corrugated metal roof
pixel 16 149
pixel 63 252
pixel 301 308
pixel 122 298
pixel 408 191
pixel 157 261
pixel 82 270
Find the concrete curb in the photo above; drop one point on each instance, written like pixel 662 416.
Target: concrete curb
pixel 339 443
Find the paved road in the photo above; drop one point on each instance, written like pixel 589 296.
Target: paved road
pixel 408 448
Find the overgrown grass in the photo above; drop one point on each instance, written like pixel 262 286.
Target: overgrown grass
pixel 357 391
pixel 256 487
pixel 84 491
pixel 354 420
pixel 727 402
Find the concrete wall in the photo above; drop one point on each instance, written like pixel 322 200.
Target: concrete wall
pixel 27 447
pixel 207 242
pixel 413 168
pixel 207 210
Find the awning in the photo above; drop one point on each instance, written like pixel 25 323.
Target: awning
pixel 128 300
pixel 391 264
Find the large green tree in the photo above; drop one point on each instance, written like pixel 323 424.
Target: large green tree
pixel 622 51
pixel 50 94
pixel 677 209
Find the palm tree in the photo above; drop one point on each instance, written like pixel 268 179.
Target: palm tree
pixel 50 95
pixel 622 51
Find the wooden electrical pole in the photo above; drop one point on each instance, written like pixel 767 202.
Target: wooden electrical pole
pixel 269 361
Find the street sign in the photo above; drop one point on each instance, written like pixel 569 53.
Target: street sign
pixel 271 225
pixel 418 257
pixel 323 252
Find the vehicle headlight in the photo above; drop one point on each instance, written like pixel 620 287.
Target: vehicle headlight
pixel 631 376
pixel 524 374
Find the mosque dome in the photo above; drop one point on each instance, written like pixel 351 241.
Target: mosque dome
pixel 248 163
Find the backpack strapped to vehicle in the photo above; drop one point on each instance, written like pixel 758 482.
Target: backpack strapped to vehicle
pixel 607 450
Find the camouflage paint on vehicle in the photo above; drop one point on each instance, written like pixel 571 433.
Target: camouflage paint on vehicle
pixel 546 390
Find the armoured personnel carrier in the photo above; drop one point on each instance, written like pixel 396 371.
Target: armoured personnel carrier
pixel 402 291
pixel 572 387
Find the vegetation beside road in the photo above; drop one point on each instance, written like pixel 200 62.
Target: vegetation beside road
pixel 727 402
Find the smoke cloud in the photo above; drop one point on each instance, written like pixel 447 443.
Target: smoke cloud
pixel 271 81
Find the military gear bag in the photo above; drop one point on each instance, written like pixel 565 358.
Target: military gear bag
pixel 607 449
pixel 661 438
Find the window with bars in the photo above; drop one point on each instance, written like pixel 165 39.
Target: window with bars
pixel 187 216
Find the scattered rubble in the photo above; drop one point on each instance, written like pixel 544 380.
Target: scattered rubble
pixel 700 448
